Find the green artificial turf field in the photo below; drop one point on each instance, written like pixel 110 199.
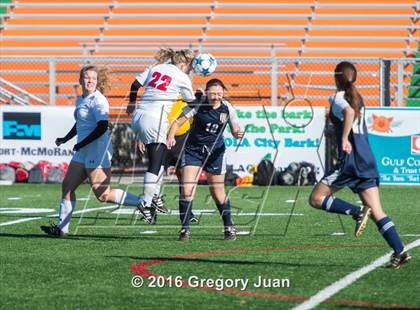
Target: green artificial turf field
pixel 297 256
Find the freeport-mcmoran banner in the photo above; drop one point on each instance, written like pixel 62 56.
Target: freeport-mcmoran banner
pixel 28 133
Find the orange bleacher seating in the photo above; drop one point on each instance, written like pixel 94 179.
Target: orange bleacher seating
pixel 301 39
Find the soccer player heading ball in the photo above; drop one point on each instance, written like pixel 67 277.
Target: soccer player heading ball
pixel 164 82
pixel 356 167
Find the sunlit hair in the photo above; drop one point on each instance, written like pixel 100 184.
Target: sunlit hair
pixel 185 56
pixel 104 83
pixel 345 75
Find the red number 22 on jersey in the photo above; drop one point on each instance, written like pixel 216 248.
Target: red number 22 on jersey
pixel 164 81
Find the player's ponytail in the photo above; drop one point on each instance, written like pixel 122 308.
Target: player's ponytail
pixel 104 82
pixel 175 57
pixel 345 75
pixel 164 55
pixel 185 56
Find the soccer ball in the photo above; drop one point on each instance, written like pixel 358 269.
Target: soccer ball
pixel 204 64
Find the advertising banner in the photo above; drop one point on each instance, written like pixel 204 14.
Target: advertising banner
pixel 28 133
pixel 394 135
pixel 283 137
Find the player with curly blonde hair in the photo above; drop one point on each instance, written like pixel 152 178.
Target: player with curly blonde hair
pixel 93 150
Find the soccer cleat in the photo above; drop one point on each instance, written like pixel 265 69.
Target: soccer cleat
pixel 193 219
pixel 230 233
pixel 361 221
pixel 159 203
pixel 53 230
pixel 397 260
pixel 147 212
pixel 184 235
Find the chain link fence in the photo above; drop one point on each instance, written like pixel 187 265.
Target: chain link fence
pixel 250 81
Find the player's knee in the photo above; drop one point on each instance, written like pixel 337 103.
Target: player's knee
pixel 102 197
pixel 187 197
pixel 187 194
pixel 315 200
pixel 66 188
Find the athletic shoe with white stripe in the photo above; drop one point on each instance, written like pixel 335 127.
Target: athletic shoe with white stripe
pixel 361 221
pixel 193 219
pixel 230 233
pixel 397 260
pixel 159 203
pixel 147 212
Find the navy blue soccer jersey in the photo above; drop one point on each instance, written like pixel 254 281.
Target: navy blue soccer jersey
pixel 360 162
pixel 209 124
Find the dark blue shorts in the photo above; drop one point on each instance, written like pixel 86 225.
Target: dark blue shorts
pixel 213 162
pixel 338 180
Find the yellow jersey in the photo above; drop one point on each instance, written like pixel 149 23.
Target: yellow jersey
pixel 175 113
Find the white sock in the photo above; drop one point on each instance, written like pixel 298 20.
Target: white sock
pixel 65 213
pixel 126 198
pixel 150 180
pixel 159 181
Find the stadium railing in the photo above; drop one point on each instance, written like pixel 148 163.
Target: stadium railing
pixel 16 94
pixel 256 81
pixel 216 26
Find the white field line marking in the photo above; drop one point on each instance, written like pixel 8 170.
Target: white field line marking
pixel 337 286
pixel 130 211
pixel 54 215
pixel 149 232
pixel 14 198
pixel 24 210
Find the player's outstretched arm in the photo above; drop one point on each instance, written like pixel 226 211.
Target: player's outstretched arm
pixel 199 98
pixel 170 142
pixel 67 137
pixel 100 129
pixel 141 146
pixel 237 131
pixel 135 86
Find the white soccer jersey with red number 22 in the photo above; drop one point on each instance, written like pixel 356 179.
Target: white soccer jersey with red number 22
pixel 163 84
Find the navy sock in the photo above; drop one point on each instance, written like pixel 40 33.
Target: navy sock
pixel 336 205
pixel 224 210
pixel 185 208
pixel 387 229
pixel 180 193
